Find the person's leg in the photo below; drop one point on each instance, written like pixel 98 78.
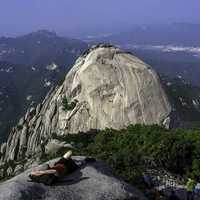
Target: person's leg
pixel 192 195
pixel 48 179
pixel 40 173
pixel 188 195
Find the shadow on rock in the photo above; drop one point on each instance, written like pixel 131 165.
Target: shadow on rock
pixel 71 179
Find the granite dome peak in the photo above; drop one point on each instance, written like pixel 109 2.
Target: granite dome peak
pixel 106 87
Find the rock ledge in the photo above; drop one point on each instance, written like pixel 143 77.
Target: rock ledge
pixel 93 181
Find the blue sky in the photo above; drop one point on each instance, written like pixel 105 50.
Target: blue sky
pixel 77 16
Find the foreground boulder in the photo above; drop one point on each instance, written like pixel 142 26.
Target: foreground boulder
pixel 92 181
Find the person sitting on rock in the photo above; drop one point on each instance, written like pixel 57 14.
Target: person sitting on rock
pixel 61 168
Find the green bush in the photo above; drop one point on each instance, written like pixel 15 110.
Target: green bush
pixel 132 150
pixel 68 106
pixel 129 152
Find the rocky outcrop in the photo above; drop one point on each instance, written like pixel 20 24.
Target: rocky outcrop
pixel 106 87
pixel 91 181
pixel 54 146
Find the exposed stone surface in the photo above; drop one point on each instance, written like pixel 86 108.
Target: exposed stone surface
pixel 9 171
pixel 54 146
pixel 2 151
pixel 112 89
pixel 93 181
pixel 1 173
pixel 18 169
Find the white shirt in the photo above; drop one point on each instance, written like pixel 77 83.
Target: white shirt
pixel 197 187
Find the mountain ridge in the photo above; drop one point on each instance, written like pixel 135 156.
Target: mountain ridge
pixel 184 34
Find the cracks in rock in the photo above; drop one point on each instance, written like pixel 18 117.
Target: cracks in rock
pixel 79 106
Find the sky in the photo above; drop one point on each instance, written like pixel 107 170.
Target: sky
pixel 76 17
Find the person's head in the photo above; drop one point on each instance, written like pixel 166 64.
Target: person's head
pixel 67 155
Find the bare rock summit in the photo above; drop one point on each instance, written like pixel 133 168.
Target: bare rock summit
pixel 106 87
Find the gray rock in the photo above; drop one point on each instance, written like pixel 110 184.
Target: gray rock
pixel 9 171
pixel 93 181
pixel 32 111
pixel 112 89
pixel 54 146
pixel 1 173
pixel 3 148
pixel 18 169
pixel 21 121
pixel 31 163
pixel 38 109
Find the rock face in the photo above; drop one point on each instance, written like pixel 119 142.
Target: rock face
pixel 106 87
pixel 91 181
pixel 54 146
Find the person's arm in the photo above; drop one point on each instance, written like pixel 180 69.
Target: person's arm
pixel 40 173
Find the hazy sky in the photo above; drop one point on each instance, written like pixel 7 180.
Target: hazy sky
pixel 78 16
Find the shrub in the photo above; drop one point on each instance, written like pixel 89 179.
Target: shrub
pixel 68 106
pixel 132 150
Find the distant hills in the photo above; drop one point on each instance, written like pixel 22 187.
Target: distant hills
pixel 172 63
pixel 186 99
pixel 29 66
pixel 184 34
pixel 39 49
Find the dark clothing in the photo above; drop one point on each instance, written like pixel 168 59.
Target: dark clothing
pixel 173 197
pixel 148 181
pixel 65 166
pixel 190 196
pixel 47 179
